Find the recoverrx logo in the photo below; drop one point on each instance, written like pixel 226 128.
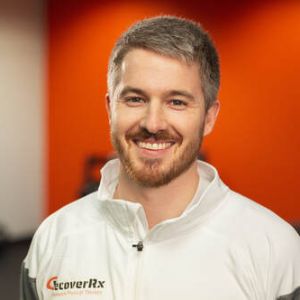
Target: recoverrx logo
pixel 92 283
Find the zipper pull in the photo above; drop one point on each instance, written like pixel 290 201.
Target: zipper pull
pixel 139 246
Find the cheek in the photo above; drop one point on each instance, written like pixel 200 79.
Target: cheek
pixel 122 122
pixel 188 125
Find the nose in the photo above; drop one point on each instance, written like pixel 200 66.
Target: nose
pixel 154 119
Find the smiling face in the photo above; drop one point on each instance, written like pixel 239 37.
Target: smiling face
pixel 157 117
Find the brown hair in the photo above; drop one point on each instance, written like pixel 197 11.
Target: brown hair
pixel 173 37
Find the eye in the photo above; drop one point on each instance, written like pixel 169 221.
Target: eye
pixel 134 101
pixel 178 103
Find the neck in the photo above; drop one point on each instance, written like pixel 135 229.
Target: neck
pixel 160 203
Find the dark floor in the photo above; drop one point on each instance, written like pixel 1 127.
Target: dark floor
pixel 11 257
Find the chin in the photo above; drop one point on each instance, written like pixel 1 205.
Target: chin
pixel 154 172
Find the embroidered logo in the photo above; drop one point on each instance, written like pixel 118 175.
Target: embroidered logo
pixel 92 286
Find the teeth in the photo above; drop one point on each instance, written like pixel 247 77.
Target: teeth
pixel 153 146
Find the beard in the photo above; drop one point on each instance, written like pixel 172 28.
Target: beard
pixel 155 172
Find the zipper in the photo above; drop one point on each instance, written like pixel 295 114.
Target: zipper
pixel 138 237
pixel 139 246
pixel 138 273
pixel 139 253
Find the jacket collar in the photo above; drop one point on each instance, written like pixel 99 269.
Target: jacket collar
pixel 130 219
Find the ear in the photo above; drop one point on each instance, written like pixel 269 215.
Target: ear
pixel 108 106
pixel 211 117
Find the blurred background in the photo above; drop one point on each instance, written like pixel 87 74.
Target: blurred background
pixel 54 132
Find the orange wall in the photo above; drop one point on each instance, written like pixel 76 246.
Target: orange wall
pixel 255 143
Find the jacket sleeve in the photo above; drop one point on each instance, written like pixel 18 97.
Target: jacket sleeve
pixel 30 269
pixel 27 285
pixel 295 295
pixel 36 261
pixel 285 279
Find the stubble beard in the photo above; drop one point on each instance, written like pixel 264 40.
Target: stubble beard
pixel 154 172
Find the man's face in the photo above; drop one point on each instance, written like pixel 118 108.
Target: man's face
pixel 157 117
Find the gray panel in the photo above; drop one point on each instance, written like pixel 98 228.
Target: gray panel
pixel 293 296
pixel 27 285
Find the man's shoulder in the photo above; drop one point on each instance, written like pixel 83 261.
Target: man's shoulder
pixel 76 208
pixel 71 222
pixel 73 219
pixel 249 220
pixel 260 244
pixel 257 214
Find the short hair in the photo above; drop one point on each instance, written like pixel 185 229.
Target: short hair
pixel 173 37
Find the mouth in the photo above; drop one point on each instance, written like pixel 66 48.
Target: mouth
pixel 153 144
pixel 156 146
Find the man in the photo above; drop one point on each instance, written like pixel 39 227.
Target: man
pixel 162 225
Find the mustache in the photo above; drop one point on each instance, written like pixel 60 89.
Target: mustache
pixel 143 134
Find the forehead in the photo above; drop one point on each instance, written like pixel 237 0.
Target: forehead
pixel 150 71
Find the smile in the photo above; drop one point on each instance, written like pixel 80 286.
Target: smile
pixel 153 146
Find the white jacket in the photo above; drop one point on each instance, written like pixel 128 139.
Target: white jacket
pixel 223 246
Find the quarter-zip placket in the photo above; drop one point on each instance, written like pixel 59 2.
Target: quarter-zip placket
pixel 138 275
pixel 139 248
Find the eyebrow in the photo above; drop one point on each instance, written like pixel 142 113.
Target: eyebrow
pixel 129 89
pixel 173 93
pixel 185 94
